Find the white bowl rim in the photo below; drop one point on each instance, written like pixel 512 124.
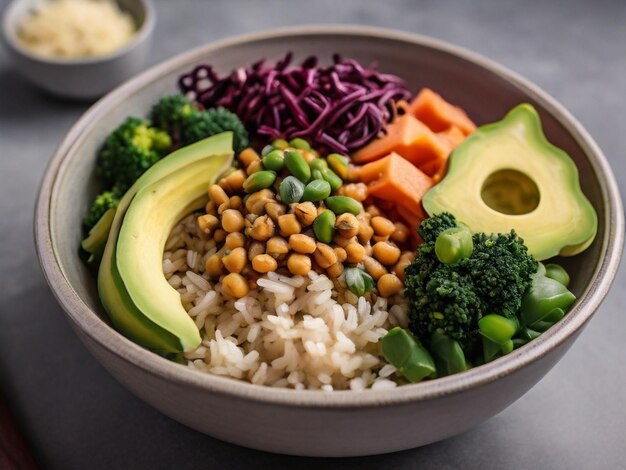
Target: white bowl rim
pixel 105 336
pixel 142 34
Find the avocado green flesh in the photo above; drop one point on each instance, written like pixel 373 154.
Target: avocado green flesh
pixel 124 315
pixel 97 237
pixel 148 222
pixel 563 222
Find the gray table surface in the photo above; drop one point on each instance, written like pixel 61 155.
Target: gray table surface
pixel 75 416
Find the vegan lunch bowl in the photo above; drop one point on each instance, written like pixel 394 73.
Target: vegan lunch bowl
pixel 364 242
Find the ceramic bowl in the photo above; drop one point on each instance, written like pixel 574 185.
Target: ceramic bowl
pixel 82 79
pixel 316 423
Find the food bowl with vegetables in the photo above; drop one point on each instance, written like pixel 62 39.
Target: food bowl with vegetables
pixel 282 248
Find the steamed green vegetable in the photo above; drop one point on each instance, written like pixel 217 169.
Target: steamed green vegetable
pixel 402 350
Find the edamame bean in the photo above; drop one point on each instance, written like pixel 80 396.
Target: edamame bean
pixel 339 164
pixel 318 164
pixel 453 245
pixel 299 143
pixel 358 281
pixel 558 273
pixel 343 204
pixel 267 149
pixel 407 355
pixel 316 175
pixel 324 226
pixel 497 328
pixel 316 190
pixel 275 160
pixel 332 178
pixel 280 144
pixel 291 190
pixel 448 355
pixel 259 180
pixel 297 166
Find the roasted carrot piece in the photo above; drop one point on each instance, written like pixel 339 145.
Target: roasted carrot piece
pixel 395 179
pixel 439 115
pixel 411 139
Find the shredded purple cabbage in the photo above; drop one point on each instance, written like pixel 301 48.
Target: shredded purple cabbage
pixel 340 107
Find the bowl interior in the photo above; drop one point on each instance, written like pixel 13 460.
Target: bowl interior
pixel 486 94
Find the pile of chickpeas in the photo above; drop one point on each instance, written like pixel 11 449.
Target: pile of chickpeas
pixel 256 233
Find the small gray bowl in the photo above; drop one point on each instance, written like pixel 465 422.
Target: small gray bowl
pixel 316 423
pixel 82 79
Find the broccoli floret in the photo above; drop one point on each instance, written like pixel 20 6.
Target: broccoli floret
pixel 451 298
pixel 129 151
pixel 103 202
pixel 168 114
pixel 203 124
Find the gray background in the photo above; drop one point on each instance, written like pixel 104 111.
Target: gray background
pixel 74 415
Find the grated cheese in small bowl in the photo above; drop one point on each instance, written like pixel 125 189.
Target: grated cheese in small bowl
pixel 74 29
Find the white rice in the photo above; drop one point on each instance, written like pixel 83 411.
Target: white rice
pixel 291 331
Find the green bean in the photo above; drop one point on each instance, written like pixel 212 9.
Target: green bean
pixel 259 180
pixel 497 328
pixel 453 245
pixel 358 281
pixel 280 144
pixel 448 355
pixel 316 190
pixel 324 226
pixel 290 190
pixel 267 149
pixel 528 334
pixel 339 164
pixel 342 204
pixel 519 342
pixel 318 164
pixel 299 143
pixel 332 178
pixel 402 350
pixel 275 160
pixel 297 166
pixel 558 273
pixel 491 350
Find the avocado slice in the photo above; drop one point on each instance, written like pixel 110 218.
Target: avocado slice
pixel 505 176
pixel 141 326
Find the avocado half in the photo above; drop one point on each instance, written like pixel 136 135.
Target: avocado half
pixel 505 176
pixel 132 287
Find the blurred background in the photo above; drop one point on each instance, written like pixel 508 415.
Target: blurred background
pixel 73 415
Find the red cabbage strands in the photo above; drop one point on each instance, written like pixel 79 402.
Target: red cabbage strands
pixel 340 107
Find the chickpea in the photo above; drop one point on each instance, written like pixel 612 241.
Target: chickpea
pixel 277 246
pixel 232 221
pixel 224 185
pixel 335 270
pixel 264 263
pixel 235 240
pixel 248 156
pixel 324 255
pixel 356 191
pixel 382 226
pixel 299 265
pixel 223 207
pixel 301 243
pixel 255 203
pixel 275 209
pixel 210 208
pixel 235 202
pixel 373 211
pixel 373 267
pixel 206 223
pixel 289 225
pixel 347 224
pixel 380 238
pixel 255 248
pixel 235 180
pixel 214 266
pixel 386 253
pixel 262 229
pixel 366 232
pixel 400 233
pixel 388 285
pixel 341 254
pixel 219 236
pixel 343 241
pixel 400 266
pixel 355 252
pixel 254 167
pixel 217 195
pixel 308 155
pixel 235 260
pixel 235 285
pixel 306 212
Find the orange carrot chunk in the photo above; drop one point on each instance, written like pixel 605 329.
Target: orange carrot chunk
pixel 439 115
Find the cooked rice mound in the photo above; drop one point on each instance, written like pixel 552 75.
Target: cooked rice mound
pixel 290 331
